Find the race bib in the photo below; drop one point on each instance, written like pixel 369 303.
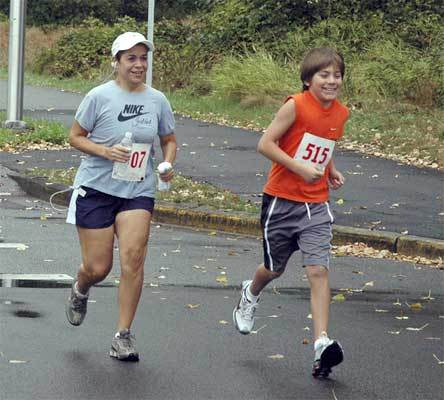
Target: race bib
pixel 135 169
pixel 315 150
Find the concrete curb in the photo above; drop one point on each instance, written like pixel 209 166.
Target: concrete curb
pixel 241 223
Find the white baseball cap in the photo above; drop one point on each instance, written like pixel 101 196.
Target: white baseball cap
pixel 129 39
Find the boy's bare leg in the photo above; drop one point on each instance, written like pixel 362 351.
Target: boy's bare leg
pixel 262 278
pixel 320 297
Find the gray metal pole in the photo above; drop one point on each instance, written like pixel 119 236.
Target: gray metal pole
pixel 150 34
pixel 16 55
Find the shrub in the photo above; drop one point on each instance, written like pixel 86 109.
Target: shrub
pixel 256 74
pixel 179 54
pixel 84 50
pixel 62 12
pixel 391 69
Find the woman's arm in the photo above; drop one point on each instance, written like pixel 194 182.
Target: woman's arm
pixel 78 139
pixel 169 147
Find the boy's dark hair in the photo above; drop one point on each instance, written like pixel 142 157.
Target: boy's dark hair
pixel 319 58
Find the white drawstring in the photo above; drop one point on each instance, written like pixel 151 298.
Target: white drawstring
pixel 308 211
pixel 329 212
pixel 56 193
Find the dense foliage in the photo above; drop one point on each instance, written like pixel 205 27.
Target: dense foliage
pixel 61 12
pixel 393 49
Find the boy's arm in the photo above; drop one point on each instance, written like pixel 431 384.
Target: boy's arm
pixel 268 144
pixel 336 179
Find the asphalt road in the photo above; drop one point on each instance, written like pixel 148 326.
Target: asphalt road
pixel 195 353
pixel 379 194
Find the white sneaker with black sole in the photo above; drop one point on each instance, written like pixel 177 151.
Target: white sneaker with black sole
pixel 328 353
pixel 243 313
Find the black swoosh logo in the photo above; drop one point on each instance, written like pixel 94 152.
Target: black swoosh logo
pixel 123 118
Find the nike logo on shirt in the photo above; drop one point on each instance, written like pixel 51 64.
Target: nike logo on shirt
pixel 132 110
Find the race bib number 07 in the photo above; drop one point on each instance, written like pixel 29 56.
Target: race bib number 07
pixel 135 169
pixel 315 150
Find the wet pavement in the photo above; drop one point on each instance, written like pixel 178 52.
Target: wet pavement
pixel 188 344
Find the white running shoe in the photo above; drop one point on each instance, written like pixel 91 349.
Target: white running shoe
pixel 328 353
pixel 243 313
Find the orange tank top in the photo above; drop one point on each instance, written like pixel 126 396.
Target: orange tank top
pixel 312 122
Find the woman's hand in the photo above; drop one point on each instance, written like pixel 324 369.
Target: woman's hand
pixel 117 153
pixel 167 176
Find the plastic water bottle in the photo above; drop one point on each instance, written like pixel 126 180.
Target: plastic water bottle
pixel 120 170
pixel 162 168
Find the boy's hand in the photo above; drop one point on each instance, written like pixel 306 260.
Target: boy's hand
pixel 309 173
pixel 335 179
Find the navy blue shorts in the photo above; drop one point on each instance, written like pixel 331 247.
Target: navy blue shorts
pixel 95 210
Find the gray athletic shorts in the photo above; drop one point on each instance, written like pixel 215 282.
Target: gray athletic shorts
pixel 289 225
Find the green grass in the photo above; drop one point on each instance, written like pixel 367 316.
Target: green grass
pixel 38 131
pixel 224 111
pixel 70 84
pixel 183 191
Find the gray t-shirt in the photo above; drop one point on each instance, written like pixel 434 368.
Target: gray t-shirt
pixel 107 112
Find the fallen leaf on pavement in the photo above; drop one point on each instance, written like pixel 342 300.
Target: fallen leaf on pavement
pixel 192 306
pixel 222 279
pixel 415 306
pixel 305 341
pixel 338 297
pixel 437 359
pixel 360 249
pixel 276 357
pixel 258 329
pixel 428 297
pixel 416 329
pixel 223 322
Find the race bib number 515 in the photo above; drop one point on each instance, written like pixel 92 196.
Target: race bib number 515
pixel 315 150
